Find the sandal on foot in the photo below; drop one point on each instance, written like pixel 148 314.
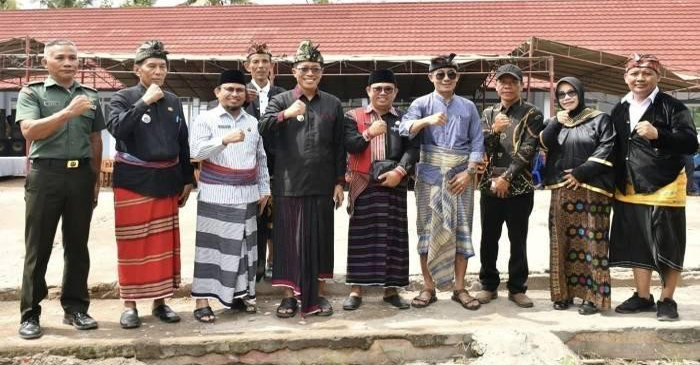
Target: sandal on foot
pixel 352 302
pixel 468 302
pixel 587 308
pixel 325 306
pixel 421 301
pixel 204 315
pixel 250 306
pixel 561 305
pixel 285 305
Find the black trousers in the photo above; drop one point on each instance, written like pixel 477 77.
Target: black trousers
pixel 515 212
pixel 53 191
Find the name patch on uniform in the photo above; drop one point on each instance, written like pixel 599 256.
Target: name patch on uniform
pixel 50 103
pixel 224 126
pixel 146 118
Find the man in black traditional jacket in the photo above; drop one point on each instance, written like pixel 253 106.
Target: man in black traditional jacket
pixel 309 174
pixel 654 134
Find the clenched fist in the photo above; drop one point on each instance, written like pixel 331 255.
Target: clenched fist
pixel 79 105
pixel 153 94
pixel 298 108
pixel 500 123
pixel 647 130
pixel 377 128
pixel 235 136
pixel 437 119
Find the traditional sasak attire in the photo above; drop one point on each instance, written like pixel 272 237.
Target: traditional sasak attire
pixel 579 220
pixel 152 165
pixel 378 228
pixel 233 178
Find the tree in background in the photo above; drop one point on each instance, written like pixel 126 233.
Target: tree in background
pixel 136 3
pixel 57 4
pixel 8 4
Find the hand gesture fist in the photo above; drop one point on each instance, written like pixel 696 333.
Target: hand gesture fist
pixel 153 94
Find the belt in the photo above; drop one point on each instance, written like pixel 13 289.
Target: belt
pixel 61 163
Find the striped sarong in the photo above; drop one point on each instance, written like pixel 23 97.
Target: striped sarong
pixel 225 252
pixel 378 239
pixel 148 245
pixel 219 175
pixel 444 220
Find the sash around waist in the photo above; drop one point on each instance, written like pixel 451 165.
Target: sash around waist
pixel 212 173
pixel 125 158
pixel 439 163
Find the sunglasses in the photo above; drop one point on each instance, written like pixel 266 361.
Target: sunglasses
pixel 313 70
pixel 451 75
pixel 563 94
pixel 386 89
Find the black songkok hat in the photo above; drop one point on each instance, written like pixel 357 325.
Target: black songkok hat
pixel 442 62
pixel 307 52
pixel 381 76
pixel 231 76
pixel 150 49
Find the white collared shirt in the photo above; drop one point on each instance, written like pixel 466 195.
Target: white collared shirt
pixel 206 137
pixel 262 95
pixel 637 109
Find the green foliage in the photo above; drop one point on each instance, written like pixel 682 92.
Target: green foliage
pixel 137 3
pixel 8 4
pixel 57 4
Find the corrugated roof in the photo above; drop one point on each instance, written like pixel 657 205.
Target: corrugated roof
pixel 667 28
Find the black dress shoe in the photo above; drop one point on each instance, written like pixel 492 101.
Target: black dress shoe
pixel 352 302
pixel 80 320
pixel 30 328
pixel 165 314
pixel 130 319
pixel 397 301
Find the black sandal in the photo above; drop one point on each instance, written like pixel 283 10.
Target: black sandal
pixel 201 313
pixel 420 302
pixel 466 304
pixel 562 305
pixel 287 304
pixel 325 306
pixel 587 308
pixel 397 301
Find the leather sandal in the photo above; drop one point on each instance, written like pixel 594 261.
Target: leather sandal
pixel 130 319
pixel 286 305
pixel 352 302
pixel 561 305
pixel 587 308
pixel 468 303
pixel 421 302
pixel 204 315
pixel 326 308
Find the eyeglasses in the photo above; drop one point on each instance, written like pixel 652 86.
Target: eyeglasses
pixel 563 94
pixel 234 90
pixel 313 70
pixel 451 75
pixel 386 89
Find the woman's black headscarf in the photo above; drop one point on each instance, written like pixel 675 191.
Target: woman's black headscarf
pixel 578 86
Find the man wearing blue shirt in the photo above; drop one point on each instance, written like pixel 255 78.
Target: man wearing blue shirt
pixel 452 147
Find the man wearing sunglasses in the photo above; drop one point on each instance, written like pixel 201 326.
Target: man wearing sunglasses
pixel 451 148
pixel 380 161
pixel 260 90
pixel 511 130
pixel 654 134
pixel 307 125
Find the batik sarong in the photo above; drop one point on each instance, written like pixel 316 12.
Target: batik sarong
pixel 579 222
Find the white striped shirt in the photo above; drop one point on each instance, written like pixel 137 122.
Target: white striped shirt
pixel 206 143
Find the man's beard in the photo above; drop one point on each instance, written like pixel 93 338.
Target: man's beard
pixel 232 109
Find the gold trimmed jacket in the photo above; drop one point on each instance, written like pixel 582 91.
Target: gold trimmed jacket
pixel 584 144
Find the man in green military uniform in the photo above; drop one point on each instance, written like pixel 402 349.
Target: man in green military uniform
pixel 63 120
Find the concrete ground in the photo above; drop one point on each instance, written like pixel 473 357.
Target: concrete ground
pixel 103 250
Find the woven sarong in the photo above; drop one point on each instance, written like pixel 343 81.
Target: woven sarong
pixel 225 252
pixel 444 219
pixel 220 175
pixel 148 245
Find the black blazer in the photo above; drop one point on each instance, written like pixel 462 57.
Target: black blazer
pixel 253 108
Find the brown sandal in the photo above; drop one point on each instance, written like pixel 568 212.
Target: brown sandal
pixel 466 304
pixel 421 301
